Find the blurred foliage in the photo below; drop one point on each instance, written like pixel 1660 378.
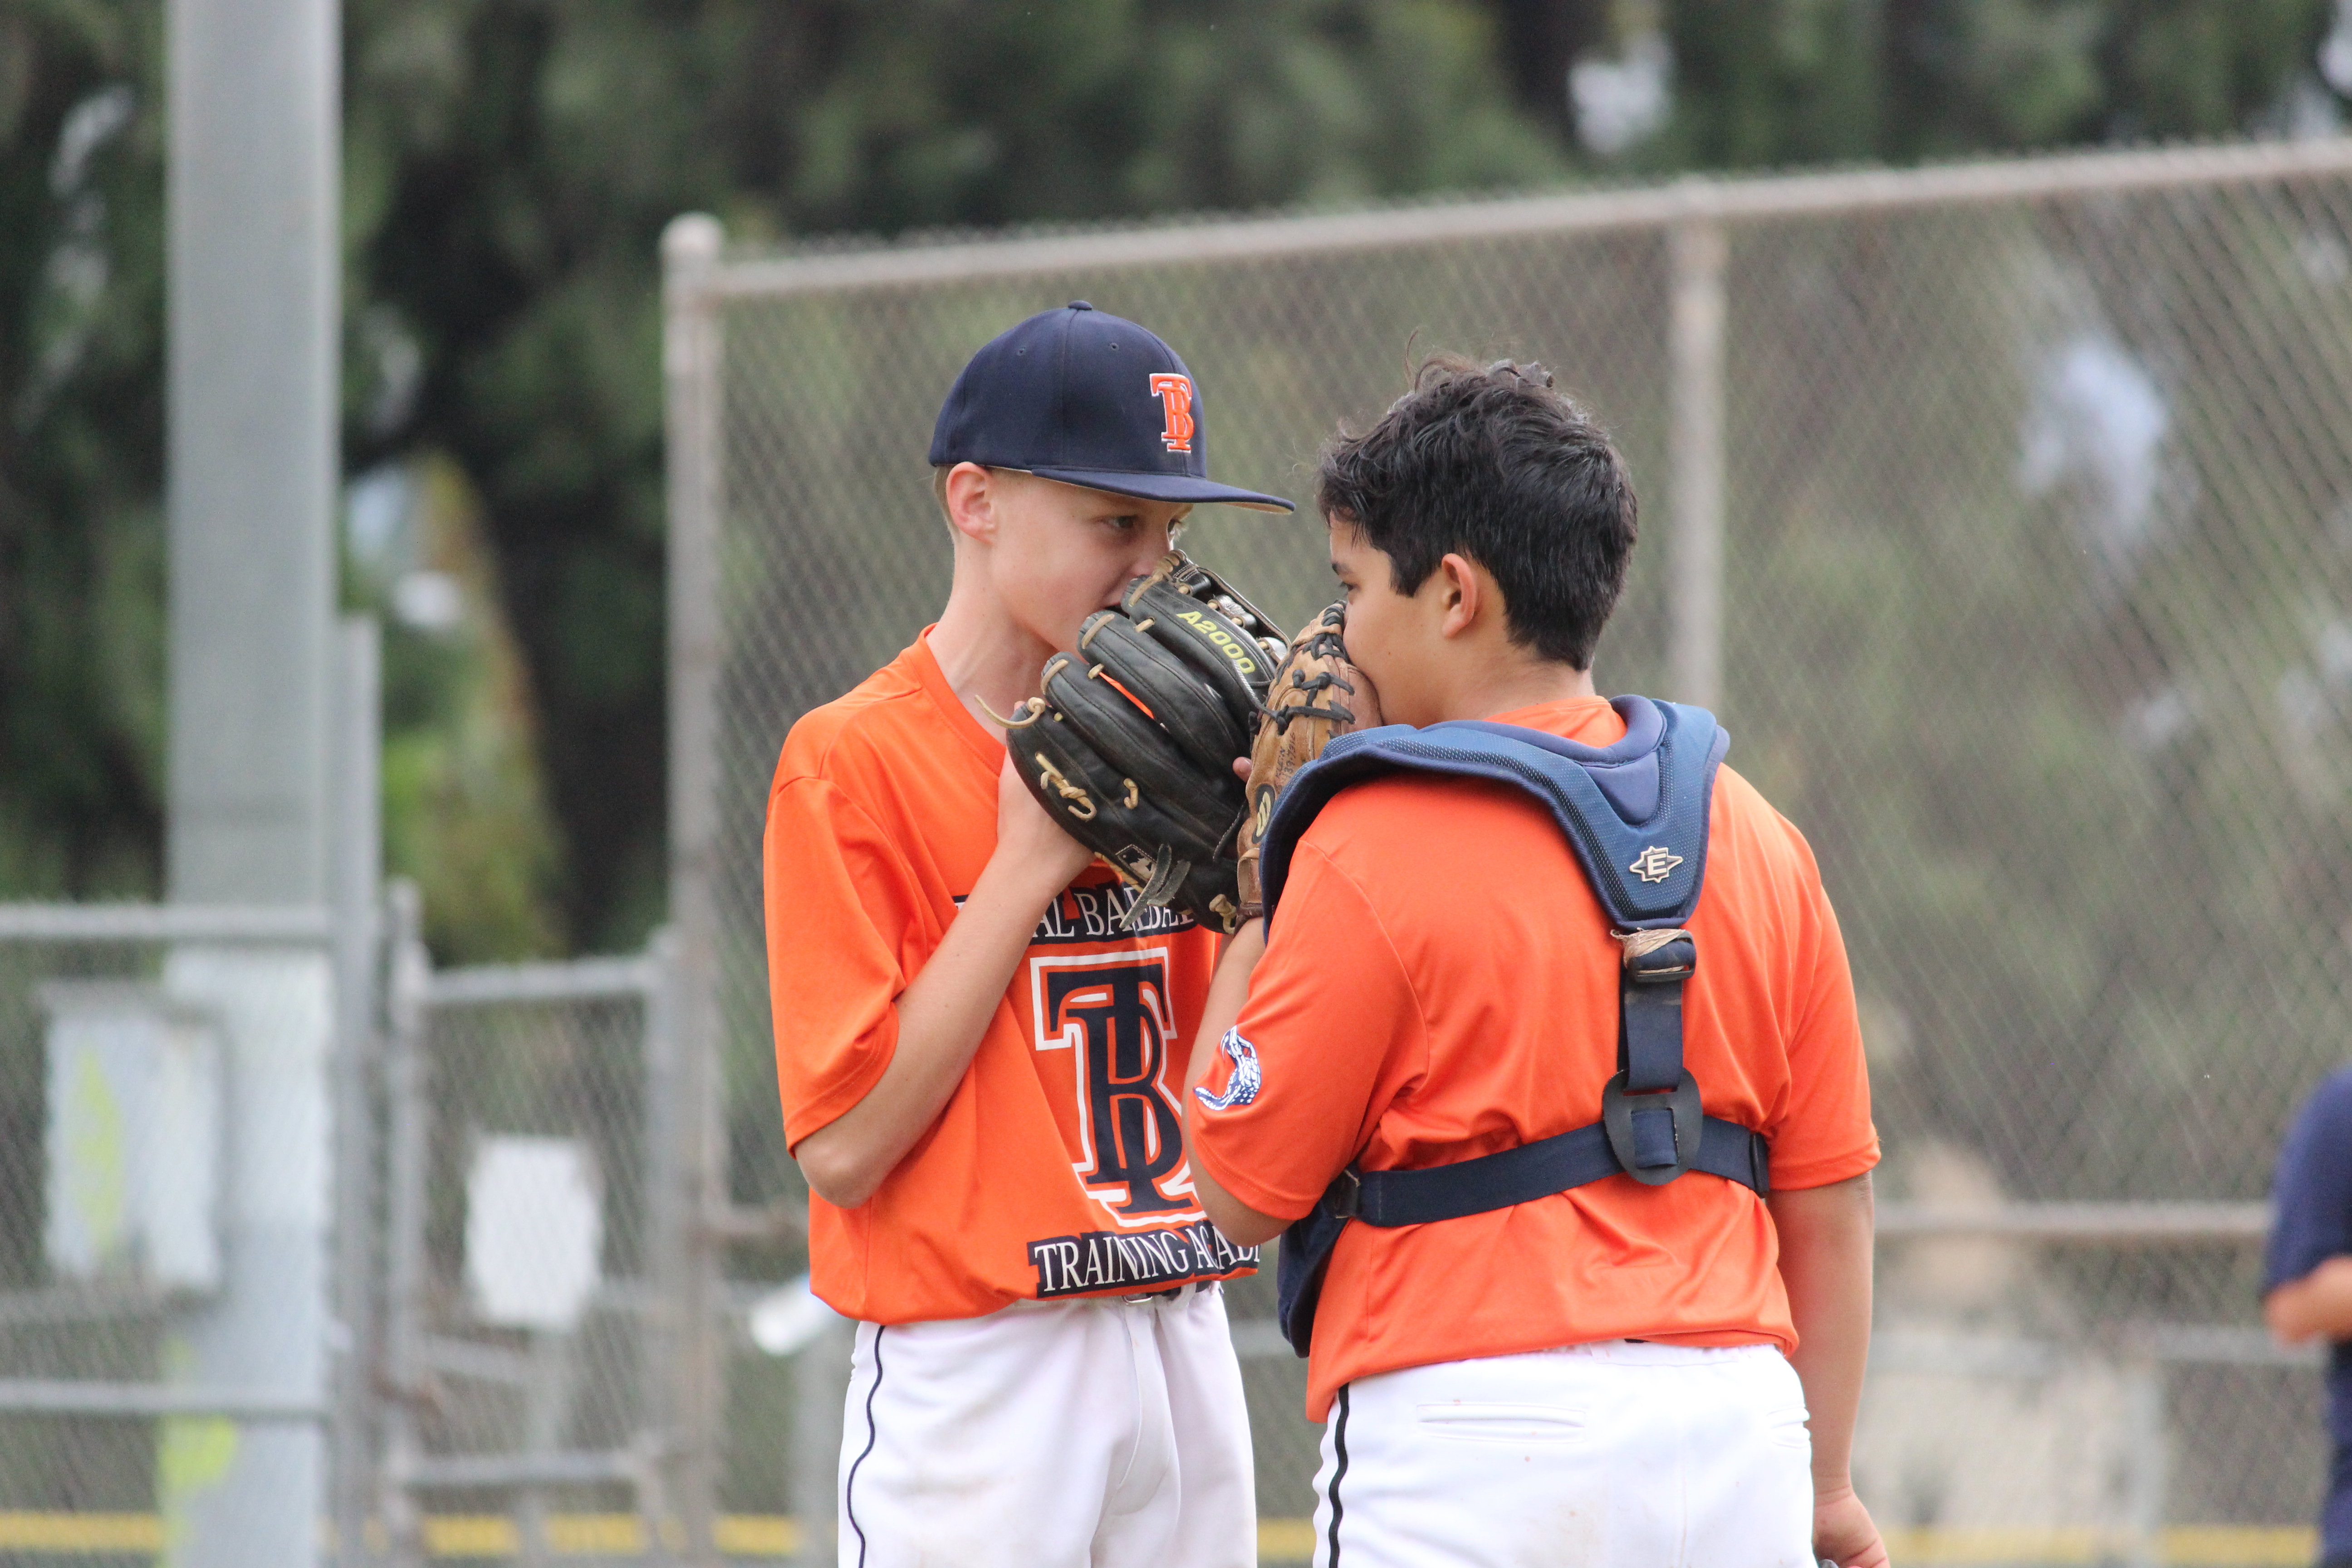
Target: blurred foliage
pixel 465 808
pixel 1769 83
pixel 81 543
pixel 510 164
pixel 1787 81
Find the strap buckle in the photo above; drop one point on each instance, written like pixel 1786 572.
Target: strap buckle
pixel 1345 1196
pixel 1658 957
pixel 1688 1121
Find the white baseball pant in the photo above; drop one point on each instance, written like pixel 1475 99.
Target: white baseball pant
pixel 1089 1433
pixel 1616 1454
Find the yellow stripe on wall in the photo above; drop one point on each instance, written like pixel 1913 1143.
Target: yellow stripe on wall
pixel 81 1532
pixel 455 1536
pixel 2184 1546
pixel 1285 1539
pixel 472 1535
pixel 756 1535
pixel 2228 1546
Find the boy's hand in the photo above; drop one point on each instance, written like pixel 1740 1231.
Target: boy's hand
pixel 1843 1533
pixel 2316 1307
pixel 1031 844
pixel 1316 696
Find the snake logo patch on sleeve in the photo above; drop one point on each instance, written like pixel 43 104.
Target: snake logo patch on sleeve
pixel 1243 1086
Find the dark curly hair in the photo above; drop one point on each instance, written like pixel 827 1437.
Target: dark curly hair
pixel 1494 464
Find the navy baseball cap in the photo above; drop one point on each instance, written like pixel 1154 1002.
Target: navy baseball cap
pixel 1089 399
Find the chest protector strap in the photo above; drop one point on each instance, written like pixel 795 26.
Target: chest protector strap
pixel 1636 816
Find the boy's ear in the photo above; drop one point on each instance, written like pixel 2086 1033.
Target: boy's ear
pixel 1460 596
pixel 967 495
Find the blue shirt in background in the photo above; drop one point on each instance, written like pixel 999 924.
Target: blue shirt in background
pixel 2314 1195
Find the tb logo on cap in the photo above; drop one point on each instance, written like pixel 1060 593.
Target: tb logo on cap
pixel 1175 395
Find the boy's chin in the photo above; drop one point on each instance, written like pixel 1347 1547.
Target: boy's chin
pixel 1055 628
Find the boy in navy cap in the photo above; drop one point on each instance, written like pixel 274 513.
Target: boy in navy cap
pixel 2307 1277
pixel 973 1042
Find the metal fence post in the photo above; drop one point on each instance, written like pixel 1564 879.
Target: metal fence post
pixel 407 1136
pixel 1696 249
pixel 691 351
pixel 253 267
pixel 547 1408
pixel 2150 1459
pixel 358 864
pixel 670 1247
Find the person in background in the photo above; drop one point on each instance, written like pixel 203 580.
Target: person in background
pixel 2307 1277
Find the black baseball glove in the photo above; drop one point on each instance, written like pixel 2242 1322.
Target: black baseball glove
pixel 1132 747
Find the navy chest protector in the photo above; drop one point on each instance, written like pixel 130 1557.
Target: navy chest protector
pixel 1636 814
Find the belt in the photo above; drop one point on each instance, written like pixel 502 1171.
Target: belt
pixel 1171 1294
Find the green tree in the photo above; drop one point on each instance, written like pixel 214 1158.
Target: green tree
pixel 1769 83
pixel 80 448
pixel 1794 81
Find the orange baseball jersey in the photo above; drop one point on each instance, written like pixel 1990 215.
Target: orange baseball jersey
pixel 1058 1167
pixel 1439 982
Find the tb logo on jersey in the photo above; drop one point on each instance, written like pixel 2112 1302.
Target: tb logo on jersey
pixel 1113 1013
pixel 1175 395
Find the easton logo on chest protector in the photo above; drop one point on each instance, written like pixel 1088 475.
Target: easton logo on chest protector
pixel 1655 864
pixel 1112 1012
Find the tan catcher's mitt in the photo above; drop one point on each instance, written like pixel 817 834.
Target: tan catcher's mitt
pixel 1131 748
pixel 1316 696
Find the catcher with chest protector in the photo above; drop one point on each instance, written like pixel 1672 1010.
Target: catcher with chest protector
pixel 1570 1155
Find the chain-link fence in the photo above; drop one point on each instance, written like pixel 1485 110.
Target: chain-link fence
pixel 528 1115
pixel 127 1389
pixel 2005 512
pixel 2002 512
pixel 505 1247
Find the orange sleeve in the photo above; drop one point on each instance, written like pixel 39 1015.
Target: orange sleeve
pixel 839 901
pixel 1329 1009
pixel 1826 1134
